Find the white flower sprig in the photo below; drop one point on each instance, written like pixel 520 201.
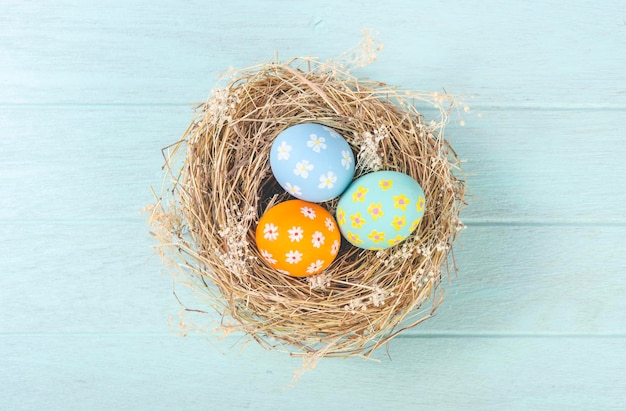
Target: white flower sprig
pixel 368 158
pixel 400 253
pixel 236 253
pixel 319 281
pixel 376 298
pixel 220 104
pixel 421 280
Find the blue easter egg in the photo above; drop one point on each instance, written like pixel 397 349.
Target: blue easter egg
pixel 312 162
pixel 380 209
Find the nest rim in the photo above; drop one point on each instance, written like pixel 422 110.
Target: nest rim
pixel 205 215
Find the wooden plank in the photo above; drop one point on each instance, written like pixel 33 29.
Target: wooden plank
pixel 546 54
pixel 544 166
pixel 536 280
pixel 513 280
pixel 164 373
pixel 83 163
pixel 523 166
pixel 73 277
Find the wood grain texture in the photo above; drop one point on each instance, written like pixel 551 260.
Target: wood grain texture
pixel 163 373
pixel 90 93
pixel 536 53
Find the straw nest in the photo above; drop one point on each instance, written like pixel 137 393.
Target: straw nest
pixel 219 183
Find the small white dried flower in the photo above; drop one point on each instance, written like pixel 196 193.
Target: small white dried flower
pixel 459 226
pixel 368 158
pixel 360 56
pixel 378 296
pixel 237 252
pixel 442 246
pixel 356 304
pixel 319 281
pixel 220 103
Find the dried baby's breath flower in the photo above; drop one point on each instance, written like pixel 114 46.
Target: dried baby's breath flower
pixel 319 281
pixel 356 304
pixel 221 104
pixel 363 54
pixel 400 253
pixel 378 296
pixel 458 225
pixel 417 277
pixel 236 252
pixel 443 246
pixel 368 157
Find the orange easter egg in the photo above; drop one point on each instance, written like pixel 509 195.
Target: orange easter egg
pixel 298 238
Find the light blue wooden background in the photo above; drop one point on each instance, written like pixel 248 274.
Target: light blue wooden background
pixel 91 91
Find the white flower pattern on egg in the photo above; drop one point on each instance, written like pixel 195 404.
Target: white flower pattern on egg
pixel 308 212
pixel 335 247
pixel 268 257
pixel 317 239
pixel 327 180
pixel 315 267
pixel 329 224
pixel 293 189
pixel 302 168
pixel 332 132
pixel 296 234
pixel 270 232
pixel 316 143
pixel 283 151
pixel 293 257
pixel 346 159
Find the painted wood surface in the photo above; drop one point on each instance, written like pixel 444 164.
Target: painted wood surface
pixel 90 93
